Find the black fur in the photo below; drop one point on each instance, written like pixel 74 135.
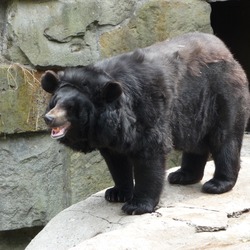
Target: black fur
pixel 187 93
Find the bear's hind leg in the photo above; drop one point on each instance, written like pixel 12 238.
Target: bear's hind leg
pixel 227 165
pixel 121 171
pixel 191 171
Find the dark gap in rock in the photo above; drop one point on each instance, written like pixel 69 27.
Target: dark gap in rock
pixel 18 239
pixel 230 21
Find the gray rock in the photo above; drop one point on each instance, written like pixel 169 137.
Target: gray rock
pixel 69 33
pixel 31 186
pixel 155 21
pixel 87 174
pixel 60 32
pixel 39 178
pixel 185 219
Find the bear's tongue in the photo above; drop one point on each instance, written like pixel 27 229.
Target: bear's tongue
pixel 59 132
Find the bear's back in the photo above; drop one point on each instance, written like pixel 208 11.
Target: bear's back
pixel 191 50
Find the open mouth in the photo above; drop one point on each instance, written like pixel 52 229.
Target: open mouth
pixel 60 132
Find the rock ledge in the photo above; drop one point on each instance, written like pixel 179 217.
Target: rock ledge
pixel 185 219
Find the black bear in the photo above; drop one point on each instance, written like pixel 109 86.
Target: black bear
pixel 187 93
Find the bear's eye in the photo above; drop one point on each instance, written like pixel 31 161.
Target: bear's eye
pixel 70 106
pixel 52 104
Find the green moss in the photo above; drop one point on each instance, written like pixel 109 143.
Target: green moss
pixel 155 21
pixel 150 24
pixel 21 100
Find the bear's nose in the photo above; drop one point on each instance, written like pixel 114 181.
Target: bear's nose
pixel 49 119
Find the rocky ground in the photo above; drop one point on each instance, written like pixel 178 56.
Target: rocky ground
pixel 185 219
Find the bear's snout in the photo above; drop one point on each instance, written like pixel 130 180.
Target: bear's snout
pixel 49 119
pixel 56 117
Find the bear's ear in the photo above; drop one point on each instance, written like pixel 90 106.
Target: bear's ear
pixel 50 81
pixel 111 91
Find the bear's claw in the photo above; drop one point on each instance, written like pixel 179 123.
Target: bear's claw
pixel 117 195
pixel 138 206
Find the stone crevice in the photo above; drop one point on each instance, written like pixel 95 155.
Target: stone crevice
pixel 237 214
pixel 66 39
pixel 88 213
pixel 202 229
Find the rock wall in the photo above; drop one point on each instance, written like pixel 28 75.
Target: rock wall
pixel 66 33
pixel 38 177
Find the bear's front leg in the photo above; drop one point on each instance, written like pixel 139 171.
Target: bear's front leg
pixel 121 171
pixel 149 173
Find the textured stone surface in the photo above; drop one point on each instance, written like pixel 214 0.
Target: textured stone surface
pixel 87 175
pixel 22 101
pixel 31 186
pixel 186 218
pixel 39 178
pixel 60 32
pixel 155 21
pixel 3 7
pixel 66 33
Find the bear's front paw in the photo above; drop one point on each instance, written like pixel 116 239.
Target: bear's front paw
pixel 139 206
pixel 216 186
pixel 118 195
pixel 183 178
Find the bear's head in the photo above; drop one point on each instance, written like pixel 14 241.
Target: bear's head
pixel 78 94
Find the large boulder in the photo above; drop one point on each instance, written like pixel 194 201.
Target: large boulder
pixel 61 33
pixel 68 33
pixel 32 189
pixel 156 21
pixel 185 218
pixel 39 178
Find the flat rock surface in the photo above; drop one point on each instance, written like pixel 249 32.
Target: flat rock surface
pixel 185 219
